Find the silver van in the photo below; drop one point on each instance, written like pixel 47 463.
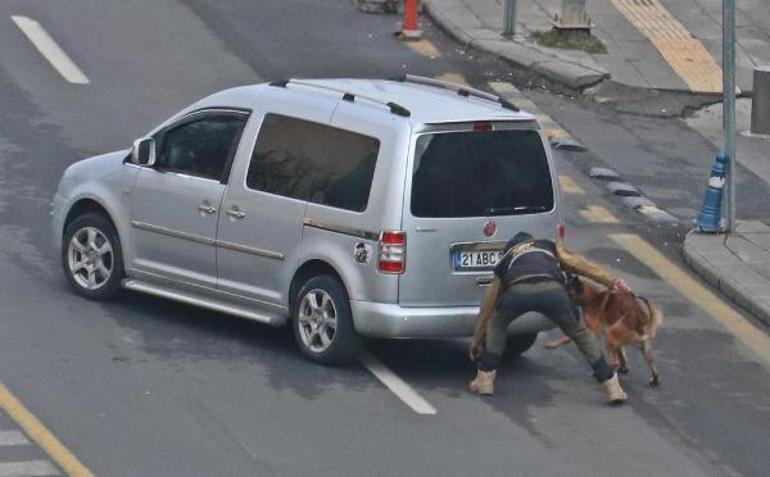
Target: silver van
pixel 345 207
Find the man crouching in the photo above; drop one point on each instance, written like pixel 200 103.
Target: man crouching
pixel 530 277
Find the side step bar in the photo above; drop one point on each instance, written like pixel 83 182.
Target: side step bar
pixel 209 303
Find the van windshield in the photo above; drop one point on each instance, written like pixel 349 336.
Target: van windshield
pixel 479 174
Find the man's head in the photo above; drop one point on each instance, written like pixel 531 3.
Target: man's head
pixel 520 237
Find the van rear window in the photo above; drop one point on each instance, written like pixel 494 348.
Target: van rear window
pixel 479 174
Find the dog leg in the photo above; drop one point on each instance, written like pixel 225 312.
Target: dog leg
pixel 612 356
pixel 623 362
pixel 647 350
pixel 557 342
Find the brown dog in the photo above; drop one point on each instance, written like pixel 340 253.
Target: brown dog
pixel 620 317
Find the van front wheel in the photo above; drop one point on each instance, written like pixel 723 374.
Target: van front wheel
pixel 323 323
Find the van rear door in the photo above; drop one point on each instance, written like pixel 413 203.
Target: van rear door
pixel 471 187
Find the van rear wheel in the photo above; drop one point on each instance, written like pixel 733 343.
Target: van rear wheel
pixel 323 323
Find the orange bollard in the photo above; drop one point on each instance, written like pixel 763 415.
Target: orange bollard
pixel 410 29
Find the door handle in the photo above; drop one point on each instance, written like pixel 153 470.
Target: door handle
pixel 207 209
pixel 236 213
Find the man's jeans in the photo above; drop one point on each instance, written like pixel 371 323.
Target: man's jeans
pixel 550 299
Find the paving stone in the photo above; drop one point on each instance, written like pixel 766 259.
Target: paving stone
pixel 751 227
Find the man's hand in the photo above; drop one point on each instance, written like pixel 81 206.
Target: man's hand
pixel 620 285
pixel 474 352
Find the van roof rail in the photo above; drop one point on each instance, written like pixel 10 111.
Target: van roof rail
pixel 462 90
pixel 394 108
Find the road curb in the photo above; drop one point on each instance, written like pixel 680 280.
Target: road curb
pixel 568 72
pixel 714 269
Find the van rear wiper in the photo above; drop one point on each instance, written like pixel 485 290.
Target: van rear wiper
pixel 517 210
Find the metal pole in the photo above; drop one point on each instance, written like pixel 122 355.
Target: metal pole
pixel 509 18
pixel 728 108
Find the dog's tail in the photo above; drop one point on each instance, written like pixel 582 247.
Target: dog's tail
pixel 656 317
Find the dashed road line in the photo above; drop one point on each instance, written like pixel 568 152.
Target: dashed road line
pixel 41 435
pixel 598 214
pixel 456 78
pixel 508 91
pixel 397 385
pixel 13 438
pixel 682 51
pixel 50 50
pixel 569 186
pixel 705 299
pixel 556 133
pixel 425 48
pixel 30 468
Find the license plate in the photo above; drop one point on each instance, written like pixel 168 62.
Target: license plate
pixel 476 260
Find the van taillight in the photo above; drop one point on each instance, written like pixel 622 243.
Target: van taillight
pixel 482 127
pixel 561 231
pixel 392 257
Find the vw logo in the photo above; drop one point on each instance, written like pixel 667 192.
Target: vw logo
pixel 490 228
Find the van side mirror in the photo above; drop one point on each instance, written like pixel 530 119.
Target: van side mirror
pixel 143 152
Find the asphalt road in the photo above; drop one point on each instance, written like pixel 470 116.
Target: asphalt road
pixel 144 387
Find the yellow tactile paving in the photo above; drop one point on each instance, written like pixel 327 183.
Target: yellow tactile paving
pixel 569 186
pixel 685 54
pixel 425 48
pixel 598 214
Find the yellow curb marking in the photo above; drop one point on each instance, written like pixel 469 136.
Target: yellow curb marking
pixel 38 432
pixel 544 118
pixel 598 214
pixel 456 78
pixel 556 133
pixel 701 296
pixel 425 48
pixel 569 186
pixel 685 54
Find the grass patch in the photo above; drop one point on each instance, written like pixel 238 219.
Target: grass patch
pixel 570 40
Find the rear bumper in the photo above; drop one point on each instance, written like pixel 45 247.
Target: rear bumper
pixel 387 320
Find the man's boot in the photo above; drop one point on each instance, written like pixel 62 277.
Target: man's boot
pixel 484 383
pixel 615 393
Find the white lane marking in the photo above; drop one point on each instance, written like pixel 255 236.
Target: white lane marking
pixel 50 50
pixel 397 385
pixel 13 438
pixel 31 468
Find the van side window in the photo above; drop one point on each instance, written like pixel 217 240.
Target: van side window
pixel 201 147
pixel 314 162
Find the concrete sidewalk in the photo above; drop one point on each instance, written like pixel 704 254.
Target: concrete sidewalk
pixel 638 36
pixel 737 264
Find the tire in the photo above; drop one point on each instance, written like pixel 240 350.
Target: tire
pixel 323 323
pixel 92 257
pixel 519 344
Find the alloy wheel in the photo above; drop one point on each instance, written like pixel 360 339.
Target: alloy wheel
pixel 90 258
pixel 317 320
